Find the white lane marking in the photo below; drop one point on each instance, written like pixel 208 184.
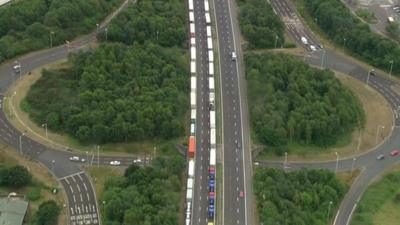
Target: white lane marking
pixel 71 175
pixel 70 187
pixel 73 196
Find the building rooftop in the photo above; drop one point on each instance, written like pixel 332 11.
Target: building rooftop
pixel 12 210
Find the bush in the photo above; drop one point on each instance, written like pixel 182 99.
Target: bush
pixel 15 177
pixel 47 213
pixel 292 102
pixel 34 194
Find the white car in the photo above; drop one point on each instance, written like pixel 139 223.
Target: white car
pixel 137 161
pixel 304 40
pixel 234 56
pixel 313 48
pixel 76 159
pixel 115 163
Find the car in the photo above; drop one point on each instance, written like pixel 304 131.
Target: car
pixel 212 185
pixel 241 194
pixel 76 159
pixel 304 40
pixel 394 152
pixel 115 163
pixel 372 72
pixel 256 163
pixel 313 48
pixel 380 157
pixel 137 161
pixel 234 56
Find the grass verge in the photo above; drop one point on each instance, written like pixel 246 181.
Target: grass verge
pixel 381 202
pixel 377 113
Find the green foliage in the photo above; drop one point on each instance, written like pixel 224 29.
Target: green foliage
pixel 293 102
pixel 121 92
pixel 47 213
pixel 393 30
pixel 375 197
pixel 34 194
pixel 15 176
pixel 366 15
pixel 260 25
pixel 300 197
pixel 115 93
pixel 335 19
pixel 159 21
pixel 25 25
pixel 145 195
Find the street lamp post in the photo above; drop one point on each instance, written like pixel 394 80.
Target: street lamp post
pixel 157 35
pixel 352 165
pixel 337 162
pixel 377 132
pixel 329 209
pixel 344 43
pixel 323 58
pixel 52 165
pixel 67 44
pixel 276 40
pixel 106 30
pixel 369 73
pixel 285 163
pixel 51 38
pixel 97 28
pixel 20 142
pixel 154 152
pixel 391 67
pixel 45 127
pixel 98 155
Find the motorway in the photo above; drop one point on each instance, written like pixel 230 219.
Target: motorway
pixel 200 196
pixel 81 199
pixel 388 88
pixel 236 157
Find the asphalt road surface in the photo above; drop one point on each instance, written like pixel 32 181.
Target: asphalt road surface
pixel 81 199
pixel 236 157
pixel 200 195
pixel 371 166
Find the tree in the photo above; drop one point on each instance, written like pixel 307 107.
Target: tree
pixel 47 213
pixel 292 102
pixel 15 177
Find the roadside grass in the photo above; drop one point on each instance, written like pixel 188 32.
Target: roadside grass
pixel 61 140
pixel 42 183
pixel 377 113
pixel 348 177
pixel 366 15
pixel 101 174
pixel 379 204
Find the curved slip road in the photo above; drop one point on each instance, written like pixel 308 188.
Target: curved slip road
pixel 81 198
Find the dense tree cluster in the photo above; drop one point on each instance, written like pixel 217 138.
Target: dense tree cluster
pixel 300 197
pixel 15 176
pixel 126 91
pixel 47 213
pixel 292 102
pixel 145 195
pixel 161 22
pixel 335 19
pixel 115 93
pixel 259 24
pixel 26 25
